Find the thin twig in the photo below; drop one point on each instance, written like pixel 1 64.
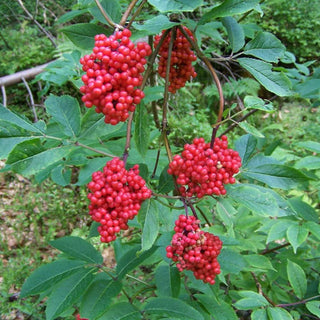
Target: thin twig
pixel 4 96
pixel 92 149
pixel 283 305
pixel 136 13
pixel 31 99
pixel 127 12
pixel 275 249
pixel 204 216
pixel 259 287
pixel 128 138
pixel 112 24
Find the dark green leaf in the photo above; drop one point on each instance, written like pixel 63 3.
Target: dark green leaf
pixel 121 311
pixel 246 145
pixel 167 280
pixel 175 5
pixel 166 183
pixel 278 314
pixel 99 296
pixel 93 231
pixel 48 275
pixel 112 9
pixel 78 248
pixel 30 157
pixel 265 46
pixel 229 8
pixel 82 34
pixel 61 175
pixel 65 110
pixel 277 176
pixel 248 128
pixel 231 261
pixel 260 262
pixel 235 33
pixel 275 82
pixel 314 307
pixel 250 300
pixel 297 279
pixel 67 292
pixel 314 228
pixel 154 26
pixel 70 15
pixel 153 93
pixel 141 129
pixel 259 314
pixel 173 307
pixel 297 235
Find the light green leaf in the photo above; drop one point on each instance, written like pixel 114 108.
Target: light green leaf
pixel 275 82
pixel 82 34
pixel 314 307
pixel 175 5
pixel 66 292
pixel 231 261
pixel 309 163
pixel 259 314
pixel 235 33
pixel 155 25
pixel 112 9
pixel 297 279
pixel 153 93
pixel 251 102
pixel 309 145
pixel 314 228
pixel 121 311
pixel 265 46
pixel 78 248
pixel 172 307
pixel 258 262
pixel 250 300
pixel 278 314
pixel 141 129
pixel 99 296
pixel 167 280
pixel 48 275
pixel 297 235
pixel 247 127
pixel 246 145
pixel 66 111
pixel 279 229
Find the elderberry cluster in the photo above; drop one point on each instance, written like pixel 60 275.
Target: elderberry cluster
pixel 113 71
pixel 78 317
pixel 116 196
pixel 201 170
pixel 194 249
pixel 181 69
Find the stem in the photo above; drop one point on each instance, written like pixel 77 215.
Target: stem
pixel 93 149
pixel 128 139
pixel 138 280
pixel 156 164
pixel 165 196
pixel 127 12
pixel 204 216
pixel 275 249
pixel 31 99
pixel 4 96
pixel 259 287
pixel 215 78
pixel 136 13
pixel 111 23
pixel 283 305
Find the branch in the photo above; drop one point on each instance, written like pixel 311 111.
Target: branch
pixel 275 249
pixel 259 287
pixel 127 12
pixel 283 305
pixel 31 100
pixel 4 96
pixel 112 24
pixel 136 13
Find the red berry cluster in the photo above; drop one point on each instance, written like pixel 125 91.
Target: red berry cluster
pixel 113 71
pixel 181 69
pixel 195 249
pixel 78 317
pixel 201 170
pixel 116 197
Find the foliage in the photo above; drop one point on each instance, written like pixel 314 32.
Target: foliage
pixel 268 220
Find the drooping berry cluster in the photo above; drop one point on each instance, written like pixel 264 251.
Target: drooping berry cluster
pixel 116 196
pixel 181 69
pixel 201 170
pixel 195 249
pixel 113 71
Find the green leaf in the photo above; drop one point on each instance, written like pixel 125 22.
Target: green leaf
pixel 48 275
pixel 150 226
pixel 167 280
pixel 309 163
pixel 251 102
pixel 235 33
pixel 61 175
pixel 297 279
pixel 314 228
pixel 166 183
pixel 175 5
pixel 121 311
pixel 131 260
pixel 231 261
pixel 259 201
pixel 153 93
pixel 142 129
pixel 112 9
pixel 276 176
pixel 247 127
pixel 259 314
pixel 303 209
pixel 229 8
pixel 82 34
pixel 30 157
pixel 78 248
pixel 275 82
pixel 250 300
pixel 99 296
pixel 296 235
pixel 221 308
pixel 278 314
pixel 24 123
pixel 246 146
pixel 154 26
pixel 65 110
pixel 172 307
pixel 260 262
pixel 309 145
pixel 314 307
pixel 279 229
pixel 70 15
pixel 265 46
pixel 66 292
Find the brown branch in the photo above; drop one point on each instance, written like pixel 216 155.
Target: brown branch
pixel 136 13
pixel 266 251
pixel 127 12
pixel 283 305
pixel 260 291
